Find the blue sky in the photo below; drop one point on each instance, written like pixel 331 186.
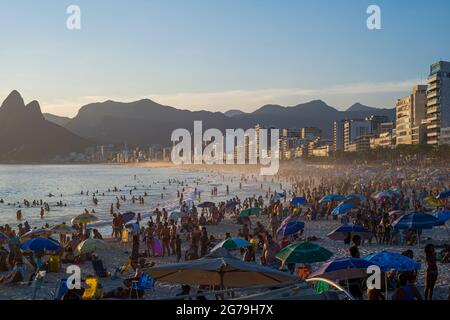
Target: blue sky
pixel 221 54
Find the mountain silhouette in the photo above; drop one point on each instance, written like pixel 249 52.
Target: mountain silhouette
pixel 147 123
pixel 60 121
pixel 25 135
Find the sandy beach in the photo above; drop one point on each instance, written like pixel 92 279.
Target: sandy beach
pixel 119 252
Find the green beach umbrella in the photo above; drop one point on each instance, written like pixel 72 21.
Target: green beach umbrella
pixel 303 252
pixel 249 211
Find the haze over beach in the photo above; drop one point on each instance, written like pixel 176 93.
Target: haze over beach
pixel 225 150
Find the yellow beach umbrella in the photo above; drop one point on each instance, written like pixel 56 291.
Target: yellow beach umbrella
pixel 92 245
pixel 63 229
pixel 432 201
pixel 84 218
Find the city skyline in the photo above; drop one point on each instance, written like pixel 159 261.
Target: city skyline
pixel 198 55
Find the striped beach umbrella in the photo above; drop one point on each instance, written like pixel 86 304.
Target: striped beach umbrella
pixel 415 220
pixel 84 218
pixel 343 269
pixel 63 229
pixel 290 228
pixel 342 232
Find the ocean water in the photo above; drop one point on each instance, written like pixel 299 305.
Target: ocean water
pixel 65 183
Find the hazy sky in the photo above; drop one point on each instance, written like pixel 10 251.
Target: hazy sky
pixel 218 54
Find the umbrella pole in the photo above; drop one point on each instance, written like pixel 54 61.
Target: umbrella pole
pixel 386 285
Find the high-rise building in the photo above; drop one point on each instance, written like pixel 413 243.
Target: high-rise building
pixel 438 103
pixel 410 111
pixel 353 129
pixel 338 135
pixel 375 123
pixel 311 133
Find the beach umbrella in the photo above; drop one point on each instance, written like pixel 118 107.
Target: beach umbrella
pixel 343 269
pixel 332 197
pixel 342 232
pixel 290 228
pixel 3 236
pixel 91 245
pixel 343 208
pixel 219 268
pixel 206 204
pixel 359 197
pixel 128 216
pixel 249 211
pixel 415 220
pixel 303 252
pixel 175 215
pixel 432 201
pixel 387 260
pixel 278 196
pixel 298 201
pixel 396 212
pixel 386 194
pixel 231 204
pixel 36 233
pixel 443 216
pixel 443 194
pixel 84 218
pixel 40 244
pixel 232 243
pixel 290 218
pixel 63 229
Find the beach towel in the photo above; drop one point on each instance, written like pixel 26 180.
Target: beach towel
pixel 158 246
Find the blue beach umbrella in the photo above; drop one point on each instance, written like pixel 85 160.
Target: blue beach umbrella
pixel 298 201
pixel 290 228
pixel 206 204
pixel 231 204
pixel 358 197
pixel 443 194
pixel 442 216
pixel 343 208
pixel 332 197
pixel 387 260
pixel 40 244
pixel 343 269
pixel 342 232
pixel 128 216
pixel 415 220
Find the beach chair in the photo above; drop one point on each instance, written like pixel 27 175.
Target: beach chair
pixel 90 293
pixel 144 283
pixel 53 263
pixel 61 289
